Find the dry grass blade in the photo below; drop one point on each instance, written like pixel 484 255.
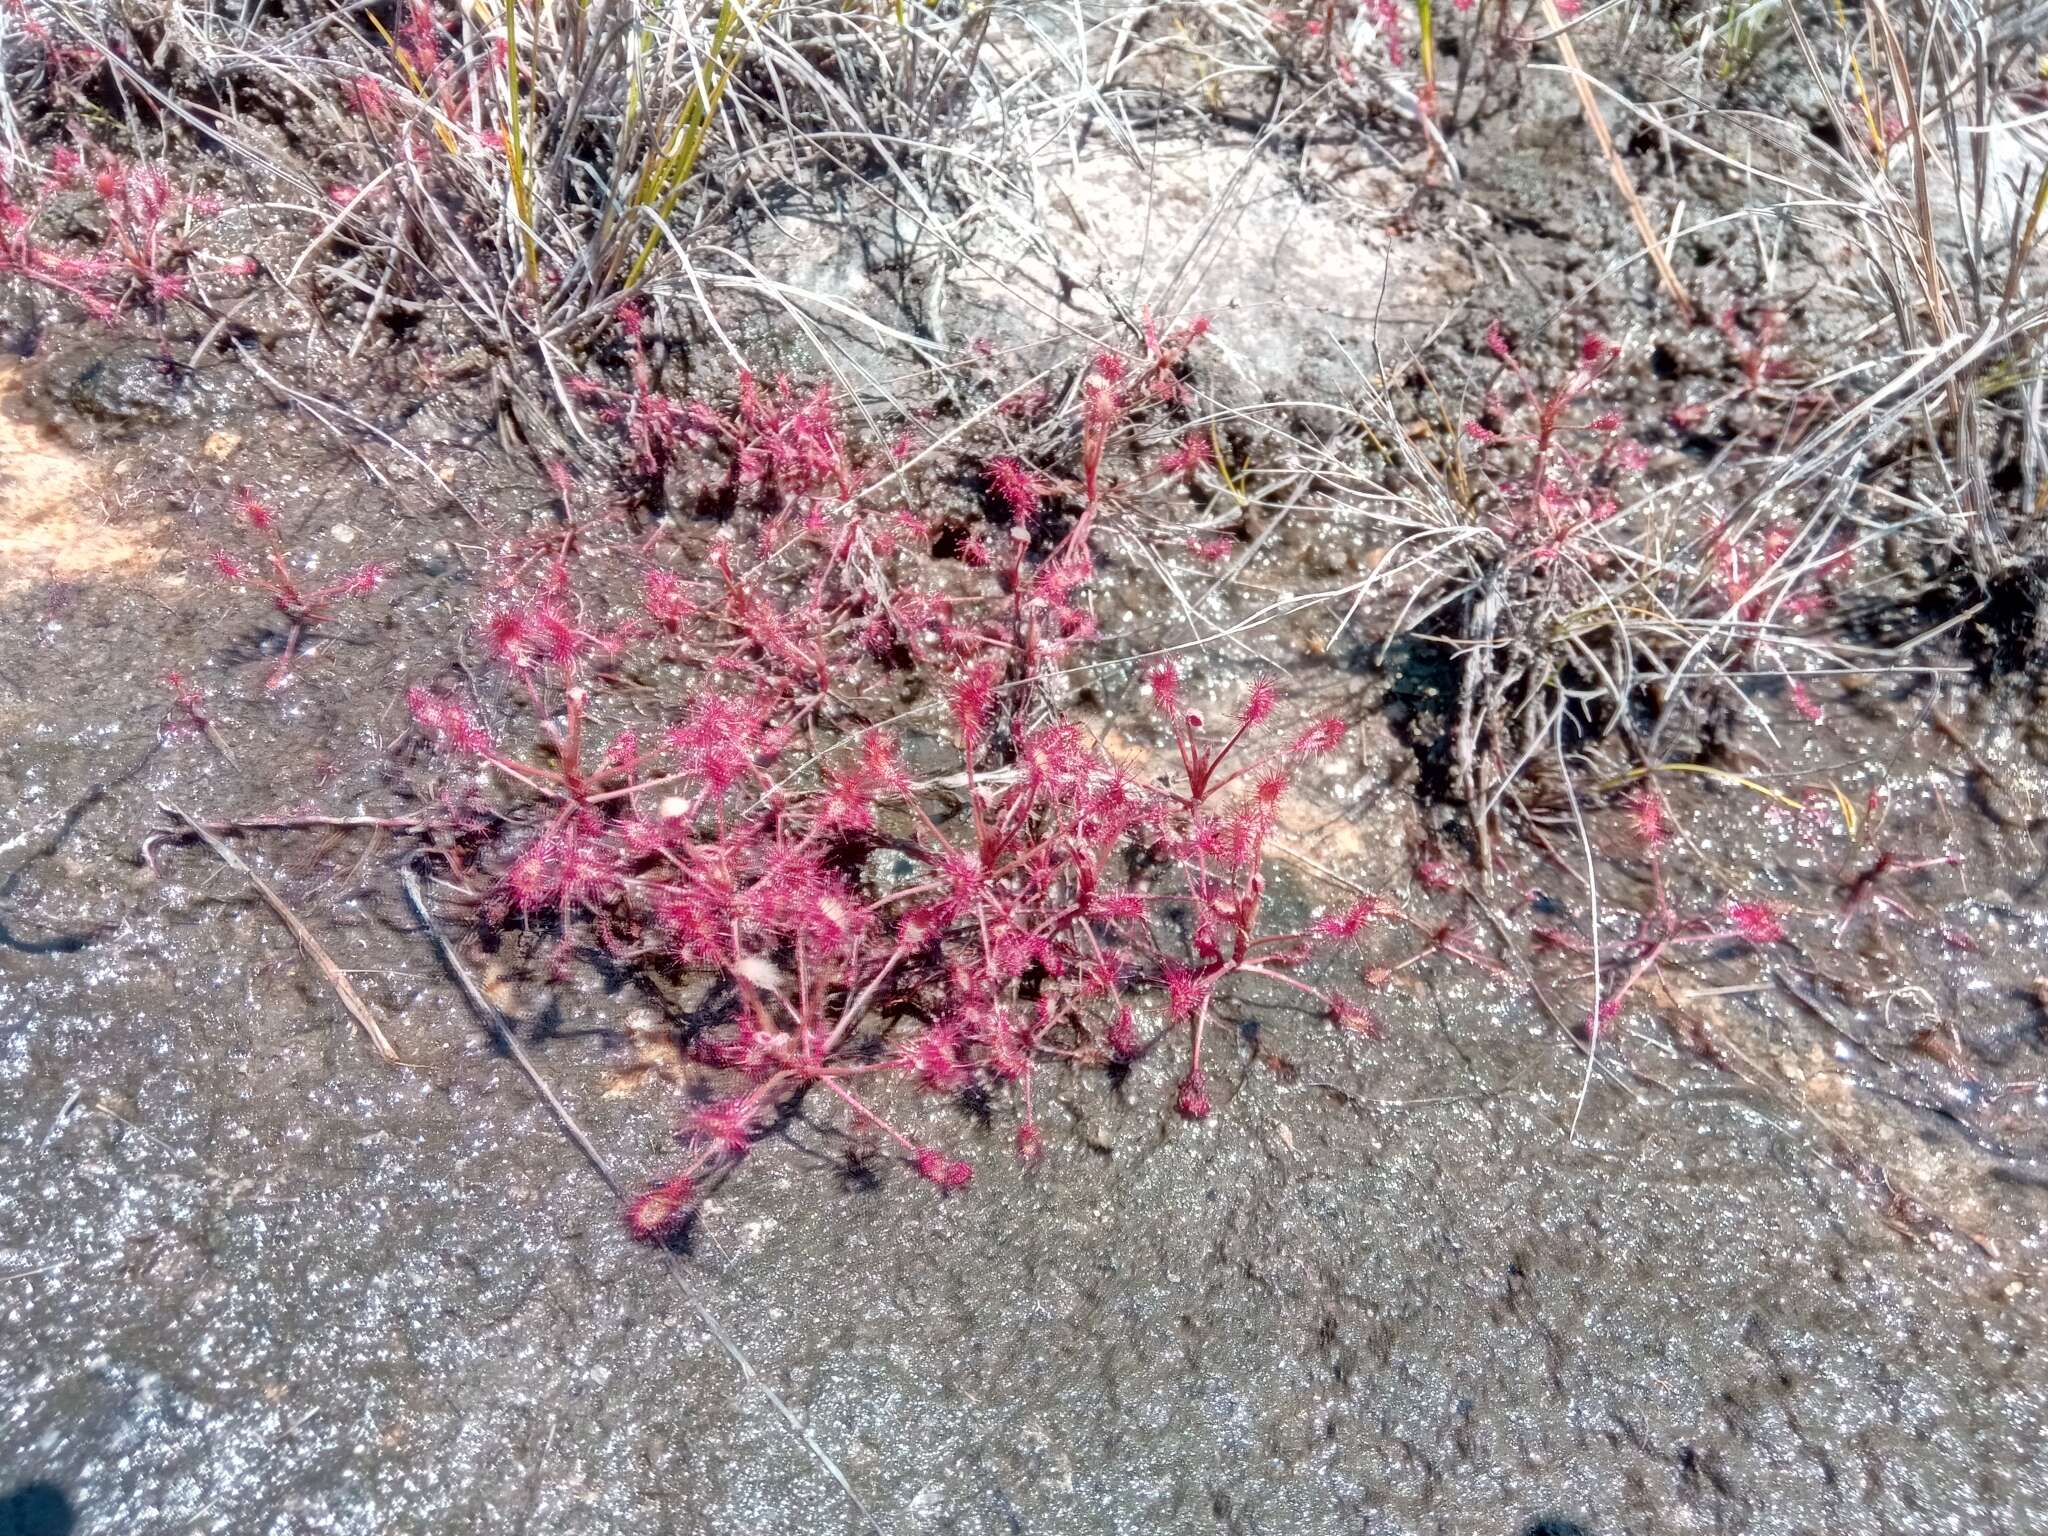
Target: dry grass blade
pixel 351 1000
pixel 1625 183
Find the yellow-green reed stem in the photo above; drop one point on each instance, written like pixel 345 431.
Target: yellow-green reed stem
pixel 1223 466
pixel 515 147
pixel 1721 774
pixel 2026 245
pixel 666 173
pixel 1423 14
pixel 1870 118
pixel 412 78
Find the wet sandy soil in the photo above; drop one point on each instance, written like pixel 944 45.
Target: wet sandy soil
pixel 253 1280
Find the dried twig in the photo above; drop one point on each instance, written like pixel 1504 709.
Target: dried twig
pixel 351 1000
pixel 1625 183
pixel 243 824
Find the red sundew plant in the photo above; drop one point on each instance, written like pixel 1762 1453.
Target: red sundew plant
pixel 1109 395
pixel 653 424
pixel 1772 381
pixel 1624 962
pixel 1752 335
pixel 1863 886
pixel 188 700
pixel 1111 390
pixel 1032 894
pixel 1557 480
pixel 67 65
pixel 703 786
pixel 1777 573
pixel 1772 578
pixel 145 256
pixel 189 714
pixel 1867 878
pixel 1347 36
pixel 434 73
pixel 1869 890
pixel 1218 840
pixel 304 607
pixel 1195 452
pixel 788 444
pixel 1541 487
pixel 1328 25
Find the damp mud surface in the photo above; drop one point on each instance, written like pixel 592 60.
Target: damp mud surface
pixel 1768 1259
pixel 1448 1281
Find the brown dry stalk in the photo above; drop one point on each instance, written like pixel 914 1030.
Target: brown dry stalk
pixel 1622 180
pixel 351 1000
